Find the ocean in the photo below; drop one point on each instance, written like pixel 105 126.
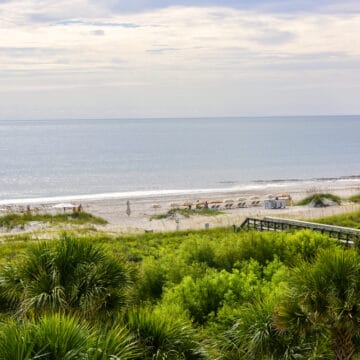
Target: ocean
pixel 130 157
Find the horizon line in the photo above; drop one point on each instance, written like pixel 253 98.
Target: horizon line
pixel 179 117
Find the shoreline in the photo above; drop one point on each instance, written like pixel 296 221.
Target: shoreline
pixel 256 186
pixel 144 207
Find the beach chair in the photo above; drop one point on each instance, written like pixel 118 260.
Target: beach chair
pixel 242 204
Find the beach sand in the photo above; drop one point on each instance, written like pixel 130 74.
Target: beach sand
pixel 143 208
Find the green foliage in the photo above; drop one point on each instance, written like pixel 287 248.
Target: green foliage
pixel 325 296
pixel 69 274
pixel 319 200
pixel 163 336
pixel 214 285
pixel 186 213
pixel 199 250
pixel 227 252
pixel 254 336
pixel 11 221
pixel 59 337
pixel 152 280
pixel 203 297
pixel 195 253
pixel 113 343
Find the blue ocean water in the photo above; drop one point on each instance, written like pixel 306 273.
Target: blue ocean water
pixel 74 157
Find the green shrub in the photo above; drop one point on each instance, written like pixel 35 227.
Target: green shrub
pixel 162 336
pixel 59 337
pixel 69 274
pixel 264 247
pixel 254 336
pixel 113 343
pixel 198 250
pixel 203 297
pixel 151 281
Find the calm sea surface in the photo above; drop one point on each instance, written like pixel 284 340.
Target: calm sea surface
pixel 74 157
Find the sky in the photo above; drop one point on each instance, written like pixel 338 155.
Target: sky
pixel 124 59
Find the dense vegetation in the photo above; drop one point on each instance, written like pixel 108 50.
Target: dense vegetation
pixel 211 294
pixel 11 221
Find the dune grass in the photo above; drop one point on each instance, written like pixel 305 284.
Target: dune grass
pixel 12 221
pixel 351 220
pixel 318 199
pixel 355 198
pixel 186 213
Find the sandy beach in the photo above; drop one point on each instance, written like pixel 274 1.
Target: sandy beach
pixel 144 207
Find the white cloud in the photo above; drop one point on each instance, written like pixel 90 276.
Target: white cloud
pixel 184 49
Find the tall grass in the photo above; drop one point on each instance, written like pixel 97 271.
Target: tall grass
pixel 11 221
pixel 186 213
pixel 351 220
pixel 319 199
pixel 355 198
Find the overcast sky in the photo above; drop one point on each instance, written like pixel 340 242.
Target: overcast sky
pixel 133 58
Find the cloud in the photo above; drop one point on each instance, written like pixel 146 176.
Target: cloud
pixel 161 50
pixel 278 6
pixel 199 53
pixel 272 36
pixel 98 23
pixel 98 32
pixel 23 51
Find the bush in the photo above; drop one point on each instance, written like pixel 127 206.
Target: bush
pixel 203 297
pixel 151 282
pixel 59 337
pixel 254 335
pixel 67 275
pixel 164 337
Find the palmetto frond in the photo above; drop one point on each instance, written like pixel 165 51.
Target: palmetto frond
pixel 325 295
pixel 67 275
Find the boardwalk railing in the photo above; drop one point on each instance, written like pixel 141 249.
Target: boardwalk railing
pixel 344 234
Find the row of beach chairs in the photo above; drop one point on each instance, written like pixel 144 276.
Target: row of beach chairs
pixel 222 204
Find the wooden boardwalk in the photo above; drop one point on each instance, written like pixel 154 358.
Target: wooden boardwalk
pixel 344 234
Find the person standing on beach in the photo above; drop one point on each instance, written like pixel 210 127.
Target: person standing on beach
pixel 128 210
